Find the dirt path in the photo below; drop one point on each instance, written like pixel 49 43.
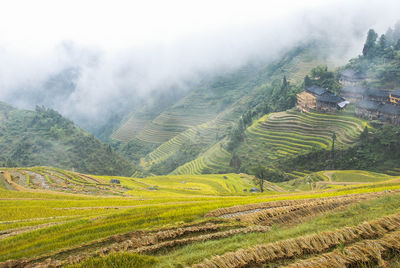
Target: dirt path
pixel 329 174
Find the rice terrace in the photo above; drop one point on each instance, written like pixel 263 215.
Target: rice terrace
pixel 203 134
pixel 56 218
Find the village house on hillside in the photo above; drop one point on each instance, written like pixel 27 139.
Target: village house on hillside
pixel 356 93
pixel 371 104
pixel 317 98
pixel 353 93
pixel 368 109
pixel 330 102
pixel 373 110
pixel 350 77
pixel 381 96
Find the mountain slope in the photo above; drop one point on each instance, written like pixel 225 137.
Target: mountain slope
pixel 44 137
pixel 204 117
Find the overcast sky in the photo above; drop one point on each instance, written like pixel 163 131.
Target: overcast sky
pixel 41 24
pixel 131 47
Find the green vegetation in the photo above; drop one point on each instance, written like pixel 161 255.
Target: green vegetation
pixel 316 172
pixel 376 150
pixel 320 76
pixel 41 218
pixel 380 59
pixel 159 141
pixel 44 137
pixel 214 159
pixel 354 215
pixel 280 136
pixel 358 176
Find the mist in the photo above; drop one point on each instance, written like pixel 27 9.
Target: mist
pixel 112 65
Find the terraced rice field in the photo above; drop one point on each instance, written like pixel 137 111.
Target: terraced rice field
pixel 53 218
pixel 204 134
pixel 57 180
pixel 378 238
pixel 214 159
pixel 291 133
pixel 130 129
pixel 334 179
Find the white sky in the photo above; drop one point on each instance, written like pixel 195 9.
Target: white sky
pixel 34 25
pixel 129 48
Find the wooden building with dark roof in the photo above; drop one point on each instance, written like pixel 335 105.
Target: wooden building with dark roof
pixel 373 110
pixel 349 77
pixel 329 102
pixel 368 109
pixel 307 99
pixel 353 93
pixel 377 95
pixel 317 98
pixel 390 113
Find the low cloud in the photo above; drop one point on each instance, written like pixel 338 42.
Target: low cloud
pixel 90 82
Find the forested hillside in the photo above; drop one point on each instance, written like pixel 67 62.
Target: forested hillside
pixel 44 137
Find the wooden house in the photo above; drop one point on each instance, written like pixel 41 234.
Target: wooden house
pixel 307 99
pixel 330 102
pixel 353 93
pixel 368 109
pixel 350 77
pixel 373 110
pixel 317 98
pixel 381 96
pixel 390 113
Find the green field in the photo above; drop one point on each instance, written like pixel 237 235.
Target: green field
pixel 292 133
pixel 215 158
pixel 358 176
pixel 68 216
pixel 334 179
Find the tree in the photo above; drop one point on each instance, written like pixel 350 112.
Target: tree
pixel 235 162
pixel 284 83
pixel 370 43
pixel 382 42
pixel 320 76
pixel 272 174
pixel 261 175
pixel 307 81
pixel 364 135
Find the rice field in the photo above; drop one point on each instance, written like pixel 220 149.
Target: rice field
pixel 293 133
pixel 214 159
pixel 129 129
pixel 57 218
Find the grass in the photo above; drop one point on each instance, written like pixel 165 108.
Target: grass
pixel 179 199
pixel 291 133
pixel 334 179
pixel 358 176
pixel 214 159
pixel 354 215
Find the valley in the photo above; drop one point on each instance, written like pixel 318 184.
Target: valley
pixel 286 160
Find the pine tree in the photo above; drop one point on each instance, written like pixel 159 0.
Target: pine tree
pixel 370 44
pixel 307 81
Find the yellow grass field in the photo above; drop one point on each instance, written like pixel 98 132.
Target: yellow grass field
pixel 53 217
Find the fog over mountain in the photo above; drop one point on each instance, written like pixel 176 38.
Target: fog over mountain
pixel 89 64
